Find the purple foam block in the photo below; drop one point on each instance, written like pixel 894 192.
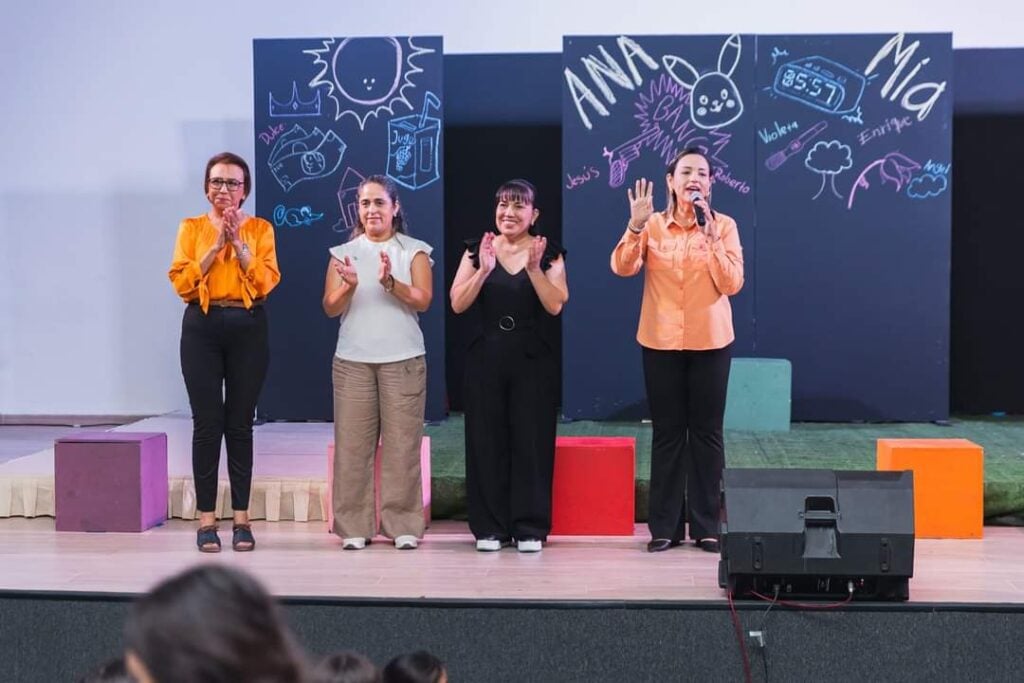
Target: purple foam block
pixel 110 481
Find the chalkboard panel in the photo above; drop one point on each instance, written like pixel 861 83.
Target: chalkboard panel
pixel 834 159
pixel 853 220
pixel 629 104
pixel 327 113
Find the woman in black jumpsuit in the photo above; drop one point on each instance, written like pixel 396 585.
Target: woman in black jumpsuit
pixel 518 279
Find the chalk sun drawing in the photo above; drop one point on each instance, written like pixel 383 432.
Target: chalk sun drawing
pixel 367 76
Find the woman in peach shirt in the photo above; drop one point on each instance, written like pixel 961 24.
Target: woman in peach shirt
pixel 694 262
pixel 224 266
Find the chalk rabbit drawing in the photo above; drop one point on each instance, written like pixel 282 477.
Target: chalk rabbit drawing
pixel 715 100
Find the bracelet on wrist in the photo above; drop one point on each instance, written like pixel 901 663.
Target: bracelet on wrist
pixel 635 231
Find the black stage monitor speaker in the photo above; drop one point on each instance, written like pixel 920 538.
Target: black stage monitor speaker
pixel 817 533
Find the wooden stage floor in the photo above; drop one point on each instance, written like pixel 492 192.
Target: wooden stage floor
pixel 301 559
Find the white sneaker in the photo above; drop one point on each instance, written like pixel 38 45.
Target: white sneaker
pixel 354 543
pixel 488 545
pixel 406 542
pixel 529 545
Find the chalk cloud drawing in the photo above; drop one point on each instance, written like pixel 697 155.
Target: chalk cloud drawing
pixel 299 155
pixel 829 159
pixel 413 146
pixel 294 107
pixel 367 76
pixel 715 100
pixel 927 185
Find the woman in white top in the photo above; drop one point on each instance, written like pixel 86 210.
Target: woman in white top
pixel 377 282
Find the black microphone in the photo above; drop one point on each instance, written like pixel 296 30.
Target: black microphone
pixel 697 211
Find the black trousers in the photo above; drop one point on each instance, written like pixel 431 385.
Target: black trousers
pixel 511 414
pixel 686 395
pixel 224 358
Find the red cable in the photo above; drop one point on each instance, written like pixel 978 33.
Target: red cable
pixel 740 640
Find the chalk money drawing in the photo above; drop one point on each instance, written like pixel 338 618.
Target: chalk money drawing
pixel 366 76
pixel 298 156
pixel 715 101
pixel 295 106
pixel 829 159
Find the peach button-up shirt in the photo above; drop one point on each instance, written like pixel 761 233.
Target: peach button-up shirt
pixel 687 284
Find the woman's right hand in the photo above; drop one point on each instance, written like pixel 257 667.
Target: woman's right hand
pixel 488 257
pixel 641 203
pixel 346 271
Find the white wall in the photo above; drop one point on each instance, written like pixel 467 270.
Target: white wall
pixel 110 109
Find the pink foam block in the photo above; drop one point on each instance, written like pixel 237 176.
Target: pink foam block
pixel 110 481
pixel 424 474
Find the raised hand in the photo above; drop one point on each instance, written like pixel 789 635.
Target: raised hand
pixel 537 246
pixel 345 270
pixel 488 257
pixel 641 203
pixel 232 220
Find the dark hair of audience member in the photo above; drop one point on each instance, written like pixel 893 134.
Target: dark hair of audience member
pixel 415 667
pixel 113 671
pixel 211 624
pixel 345 667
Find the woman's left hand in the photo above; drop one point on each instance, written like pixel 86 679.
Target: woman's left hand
pixel 710 228
pixel 537 247
pixel 233 219
pixel 384 272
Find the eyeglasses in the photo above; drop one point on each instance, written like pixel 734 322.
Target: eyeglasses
pixel 230 183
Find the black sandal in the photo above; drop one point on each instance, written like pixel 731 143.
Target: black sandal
pixel 207 539
pixel 242 539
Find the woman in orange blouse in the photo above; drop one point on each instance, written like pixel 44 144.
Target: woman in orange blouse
pixel 224 266
pixel 694 263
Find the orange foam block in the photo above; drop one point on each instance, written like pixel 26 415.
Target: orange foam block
pixel 424 475
pixel 949 483
pixel 593 488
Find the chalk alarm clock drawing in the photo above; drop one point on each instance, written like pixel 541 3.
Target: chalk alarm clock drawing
pixel 821 84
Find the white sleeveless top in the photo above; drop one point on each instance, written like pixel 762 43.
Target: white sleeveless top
pixel 377 327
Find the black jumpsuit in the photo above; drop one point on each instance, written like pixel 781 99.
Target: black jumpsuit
pixel 511 407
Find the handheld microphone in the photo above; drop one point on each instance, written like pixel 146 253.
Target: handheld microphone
pixel 702 220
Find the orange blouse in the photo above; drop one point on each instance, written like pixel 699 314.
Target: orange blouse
pixel 225 278
pixel 687 284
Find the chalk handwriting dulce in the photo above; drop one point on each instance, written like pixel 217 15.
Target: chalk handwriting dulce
pixel 271 132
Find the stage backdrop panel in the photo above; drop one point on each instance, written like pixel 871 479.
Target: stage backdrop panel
pixel 853 218
pixel 832 153
pixel 328 113
pixel 629 104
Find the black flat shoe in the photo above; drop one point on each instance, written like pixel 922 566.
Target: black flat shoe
pixel 658 545
pixel 709 545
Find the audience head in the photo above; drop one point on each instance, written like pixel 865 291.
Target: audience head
pixel 209 624
pixel 345 667
pixel 416 667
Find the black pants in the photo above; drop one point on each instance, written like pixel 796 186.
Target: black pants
pixel 686 394
pixel 510 436
pixel 224 357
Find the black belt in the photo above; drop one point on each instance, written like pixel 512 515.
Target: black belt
pixel 509 323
